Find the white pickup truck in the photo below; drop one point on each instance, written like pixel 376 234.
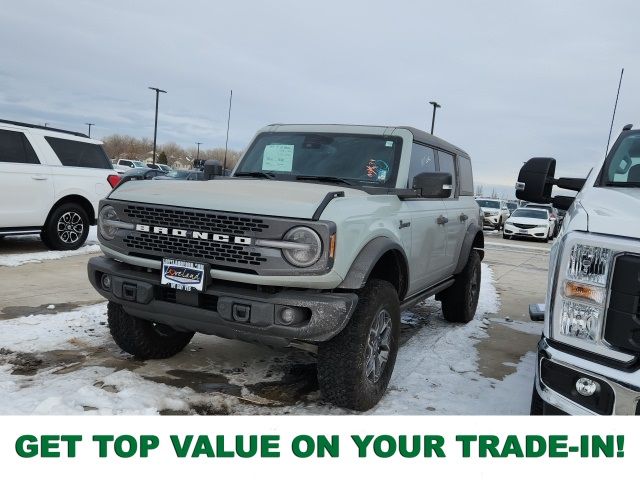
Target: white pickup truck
pixel 589 354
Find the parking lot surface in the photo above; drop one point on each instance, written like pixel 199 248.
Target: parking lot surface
pixel 56 355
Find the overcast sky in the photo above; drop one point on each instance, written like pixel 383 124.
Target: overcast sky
pixel 515 79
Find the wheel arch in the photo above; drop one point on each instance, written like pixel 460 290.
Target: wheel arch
pixel 78 200
pixel 473 239
pixel 381 258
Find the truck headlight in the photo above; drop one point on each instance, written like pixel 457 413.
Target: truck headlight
pixel 309 250
pixel 109 223
pixel 580 294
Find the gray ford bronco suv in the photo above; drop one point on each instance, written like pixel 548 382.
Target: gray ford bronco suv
pixel 318 239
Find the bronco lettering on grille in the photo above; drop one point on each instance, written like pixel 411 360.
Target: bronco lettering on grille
pixel 181 232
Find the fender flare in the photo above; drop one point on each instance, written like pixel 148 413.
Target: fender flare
pixel 366 260
pixel 467 245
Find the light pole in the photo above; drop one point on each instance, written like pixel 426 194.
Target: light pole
pixel 155 128
pixel 89 128
pixel 198 153
pixel 433 117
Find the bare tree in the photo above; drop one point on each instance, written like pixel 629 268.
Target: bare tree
pixel 479 190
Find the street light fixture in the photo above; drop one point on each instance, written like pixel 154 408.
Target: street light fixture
pixel 155 128
pixel 198 153
pixel 433 117
pixel 90 124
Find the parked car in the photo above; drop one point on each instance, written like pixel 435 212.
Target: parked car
pixel 182 175
pixel 160 166
pixel 553 215
pixel 323 234
pixel 51 181
pixel 143 173
pixel 126 164
pixel 529 223
pixel 588 355
pixel 494 212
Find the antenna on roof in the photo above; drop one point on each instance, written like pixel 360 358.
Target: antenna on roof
pixel 226 143
pixel 615 106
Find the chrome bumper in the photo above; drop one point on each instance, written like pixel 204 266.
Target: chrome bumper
pixel 625 384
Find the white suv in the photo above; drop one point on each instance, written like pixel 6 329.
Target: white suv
pixel 51 181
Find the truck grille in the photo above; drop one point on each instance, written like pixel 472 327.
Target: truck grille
pixel 194 220
pixel 205 250
pixel 524 225
pixel 622 327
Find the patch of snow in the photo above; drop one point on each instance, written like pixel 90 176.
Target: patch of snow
pixel 37 333
pixel 17 259
pixel 436 371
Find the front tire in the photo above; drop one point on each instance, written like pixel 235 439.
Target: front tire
pixel 355 366
pixel 460 300
pixel 67 228
pixel 144 339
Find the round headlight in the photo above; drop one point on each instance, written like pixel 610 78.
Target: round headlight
pixel 310 247
pixel 107 222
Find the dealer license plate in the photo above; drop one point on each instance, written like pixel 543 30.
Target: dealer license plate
pixel 182 275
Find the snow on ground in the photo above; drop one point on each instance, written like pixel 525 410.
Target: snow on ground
pixel 17 259
pixel 67 363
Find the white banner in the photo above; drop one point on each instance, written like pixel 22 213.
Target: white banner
pixel 317 447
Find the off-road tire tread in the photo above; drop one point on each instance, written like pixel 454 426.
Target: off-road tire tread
pixel 138 337
pixel 453 308
pixel 341 359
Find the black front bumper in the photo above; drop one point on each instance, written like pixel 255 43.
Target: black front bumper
pixel 223 309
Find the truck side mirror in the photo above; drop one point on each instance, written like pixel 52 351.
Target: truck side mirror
pixel 535 180
pixel 433 184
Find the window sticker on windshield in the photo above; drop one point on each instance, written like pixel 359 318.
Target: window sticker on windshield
pixel 278 158
pixel 382 175
pixel 389 143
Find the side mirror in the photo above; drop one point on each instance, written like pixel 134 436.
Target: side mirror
pixel 212 168
pixel 433 184
pixel 535 180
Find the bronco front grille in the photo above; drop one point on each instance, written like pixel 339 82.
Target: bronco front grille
pixel 194 220
pixel 205 250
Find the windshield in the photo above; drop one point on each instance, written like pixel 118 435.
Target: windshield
pixel 512 206
pixel 623 168
pixel 530 212
pixel 138 164
pixel 489 203
pixel 364 160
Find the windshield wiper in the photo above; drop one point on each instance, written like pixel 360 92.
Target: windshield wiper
pixel 323 178
pixel 255 174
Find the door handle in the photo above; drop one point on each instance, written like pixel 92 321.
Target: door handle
pixel 463 217
pixel 39 177
pixel 441 220
pixel 404 224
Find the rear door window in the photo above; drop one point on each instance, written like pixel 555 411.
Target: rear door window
pixel 79 154
pixel 15 148
pixel 466 176
pixel 446 163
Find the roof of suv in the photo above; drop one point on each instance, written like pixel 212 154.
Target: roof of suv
pixel 40 127
pixel 418 135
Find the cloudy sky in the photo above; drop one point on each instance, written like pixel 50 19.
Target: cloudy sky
pixel 516 79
